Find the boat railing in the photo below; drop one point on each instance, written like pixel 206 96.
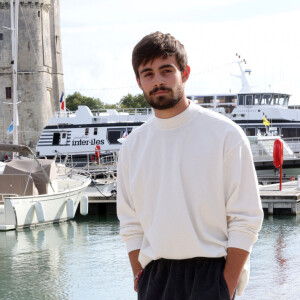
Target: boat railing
pixel 99 112
pixel 294 143
pixel 262 152
pixel 5 195
pixel 88 162
pixel 64 114
pixel 130 111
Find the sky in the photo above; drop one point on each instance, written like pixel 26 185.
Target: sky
pixel 98 37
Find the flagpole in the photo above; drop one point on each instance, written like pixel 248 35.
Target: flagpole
pixel 14 38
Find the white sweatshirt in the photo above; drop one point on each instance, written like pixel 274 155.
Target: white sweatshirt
pixel 187 188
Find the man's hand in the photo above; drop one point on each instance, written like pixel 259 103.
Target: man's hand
pixel 136 266
pixel 235 261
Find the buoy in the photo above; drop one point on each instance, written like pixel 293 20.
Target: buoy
pixel 39 212
pixel 70 209
pixel 84 205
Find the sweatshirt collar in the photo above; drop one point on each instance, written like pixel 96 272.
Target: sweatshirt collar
pixel 178 120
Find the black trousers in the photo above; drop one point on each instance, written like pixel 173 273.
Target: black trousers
pixel 188 279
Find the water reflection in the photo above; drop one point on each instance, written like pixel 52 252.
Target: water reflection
pixel 85 259
pixel 281 261
pixel 31 261
pixel 274 265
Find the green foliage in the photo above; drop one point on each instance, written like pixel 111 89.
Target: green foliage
pixel 72 102
pixel 130 101
pixel 111 106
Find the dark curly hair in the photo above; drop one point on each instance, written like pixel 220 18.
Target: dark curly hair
pixel 156 45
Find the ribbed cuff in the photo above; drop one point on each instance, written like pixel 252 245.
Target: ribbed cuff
pixel 134 244
pixel 241 240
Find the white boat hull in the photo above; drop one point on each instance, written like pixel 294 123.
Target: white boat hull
pixel 20 212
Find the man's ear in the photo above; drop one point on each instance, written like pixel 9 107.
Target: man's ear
pixel 186 73
pixel 139 82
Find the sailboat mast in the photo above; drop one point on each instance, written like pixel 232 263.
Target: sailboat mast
pixel 14 43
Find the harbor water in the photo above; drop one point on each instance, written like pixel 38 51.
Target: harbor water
pixel 86 259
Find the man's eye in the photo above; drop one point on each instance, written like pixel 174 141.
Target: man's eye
pixel 147 74
pixel 167 71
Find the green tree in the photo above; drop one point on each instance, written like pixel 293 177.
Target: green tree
pixel 72 102
pixel 111 106
pixel 130 101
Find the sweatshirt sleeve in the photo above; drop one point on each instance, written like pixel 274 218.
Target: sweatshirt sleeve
pixel 130 228
pixel 243 204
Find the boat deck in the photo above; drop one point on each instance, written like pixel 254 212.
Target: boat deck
pixel 101 193
pixel 285 201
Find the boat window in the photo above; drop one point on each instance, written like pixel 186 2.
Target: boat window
pixel 64 135
pixel 250 131
pixel 87 131
pixel 198 99
pixel 56 138
pixel 262 130
pixel 281 99
pixel 257 99
pixel 286 100
pixel 290 132
pixel 249 100
pixel 230 99
pixel 202 99
pixel 95 131
pixel 266 99
pixel 275 100
pixel 1 36
pixel 114 134
pixel 241 99
pixel 209 99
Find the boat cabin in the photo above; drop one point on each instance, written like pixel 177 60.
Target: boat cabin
pixel 230 101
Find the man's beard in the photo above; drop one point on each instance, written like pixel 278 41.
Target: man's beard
pixel 165 101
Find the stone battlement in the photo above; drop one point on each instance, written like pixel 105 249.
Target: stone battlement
pixel 35 3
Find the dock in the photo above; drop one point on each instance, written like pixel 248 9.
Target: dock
pixel 274 201
pixel 101 199
pixel 286 201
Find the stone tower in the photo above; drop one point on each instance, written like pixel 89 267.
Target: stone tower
pixel 40 72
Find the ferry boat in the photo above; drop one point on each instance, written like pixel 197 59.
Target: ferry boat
pixel 256 111
pixel 84 132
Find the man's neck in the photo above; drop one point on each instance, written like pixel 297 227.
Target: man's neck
pixel 173 111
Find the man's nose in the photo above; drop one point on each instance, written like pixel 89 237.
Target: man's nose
pixel 159 80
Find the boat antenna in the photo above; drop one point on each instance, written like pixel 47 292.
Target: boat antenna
pixel 245 84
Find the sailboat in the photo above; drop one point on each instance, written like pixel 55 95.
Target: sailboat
pixel 35 191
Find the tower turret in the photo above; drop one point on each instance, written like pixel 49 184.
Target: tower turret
pixel 40 73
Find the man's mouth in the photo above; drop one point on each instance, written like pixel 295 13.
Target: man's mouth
pixel 161 90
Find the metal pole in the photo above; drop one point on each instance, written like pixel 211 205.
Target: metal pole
pixel 14 14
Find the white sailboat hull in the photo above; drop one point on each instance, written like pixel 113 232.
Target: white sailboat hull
pixel 20 212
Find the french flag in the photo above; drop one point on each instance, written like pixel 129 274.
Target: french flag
pixel 62 101
pixel 125 134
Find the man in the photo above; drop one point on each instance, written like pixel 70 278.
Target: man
pixel 188 200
